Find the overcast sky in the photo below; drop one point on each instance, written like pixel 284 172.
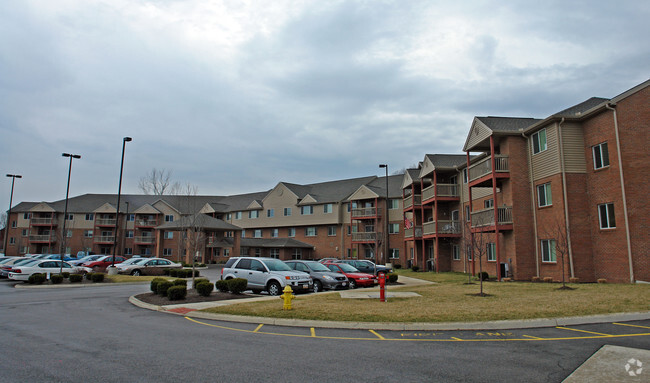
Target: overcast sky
pixel 235 96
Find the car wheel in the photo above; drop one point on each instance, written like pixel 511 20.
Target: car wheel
pixel 353 284
pixel 136 273
pixel 318 286
pixel 274 288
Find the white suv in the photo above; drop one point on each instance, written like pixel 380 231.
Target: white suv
pixel 267 274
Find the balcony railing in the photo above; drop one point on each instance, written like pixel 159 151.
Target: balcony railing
pixel 443 227
pixel 141 239
pixel 146 222
pixel 42 221
pixel 365 236
pixel 415 230
pixel 408 201
pixel 361 212
pixel 444 190
pixel 484 167
pixel 105 239
pixel 43 238
pixel 105 222
pixel 485 217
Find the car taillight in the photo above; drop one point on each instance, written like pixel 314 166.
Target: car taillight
pixel 16 271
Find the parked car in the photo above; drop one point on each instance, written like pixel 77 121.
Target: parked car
pixel 366 266
pixel 324 260
pixel 87 258
pixel 268 274
pixel 356 278
pixel 23 272
pixel 7 263
pixel 102 263
pixel 324 278
pixel 66 257
pixel 146 266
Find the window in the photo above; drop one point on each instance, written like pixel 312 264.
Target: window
pixel 601 155
pixel 488 203
pixel 25 232
pixel 393 204
pixel 13 224
pixel 229 216
pixel 465 175
pixel 455 252
pixel 130 217
pixel 12 240
pixel 253 214
pixel 544 195
pixel 226 252
pixel 275 253
pixel 296 254
pixel 167 252
pixel 238 215
pixel 606 216
pixel 129 234
pixel 169 235
pixel 27 215
pixel 539 141
pixel 88 233
pixel 292 232
pixel 491 251
pixel 548 250
pixel 274 233
pixel 243 233
pixel 468 252
pixel 89 217
pixel 257 233
pixel 331 231
pixel 69 217
pixel 24 249
pixel 327 208
pixel 394 253
pixel 370 254
pixel 287 211
pixel 393 228
pixel 306 210
pixel 270 213
pixel 128 251
pixel 258 252
pixel 68 233
pixel 310 231
pixel 169 218
pixel 467 213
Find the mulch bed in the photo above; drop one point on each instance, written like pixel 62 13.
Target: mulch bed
pixel 192 297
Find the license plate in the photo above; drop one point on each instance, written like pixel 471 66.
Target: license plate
pixel 305 286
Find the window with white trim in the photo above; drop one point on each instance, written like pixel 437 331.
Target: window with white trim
pixel 257 233
pixel 307 210
pixel 243 233
pixel 488 203
pixel 468 252
pixel 467 213
pixel 89 216
pixel 491 251
pixel 169 218
pixel 606 216
pixel 128 251
pixel 129 234
pixel 539 141
pixel 327 208
pixel 27 215
pixel 226 252
pixel 393 253
pixel 393 228
pixel 287 211
pixel 238 215
pixel 393 204
pixel 274 253
pixel 601 155
pixel 25 232
pixel 270 213
pixel 548 250
pixel 253 214
pixel 331 231
pixel 455 252
pixel 130 217
pixel 167 252
pixel 544 196
pixel 465 175
pixel 169 235
pixel 275 233
pixel 292 232
pixel 310 231
pixel 296 254
pixel 88 233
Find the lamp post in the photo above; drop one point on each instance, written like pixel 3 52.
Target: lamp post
pixel 119 192
pixel 65 210
pixel 11 200
pixel 386 241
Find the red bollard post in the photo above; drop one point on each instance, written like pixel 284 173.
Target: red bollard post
pixel 382 287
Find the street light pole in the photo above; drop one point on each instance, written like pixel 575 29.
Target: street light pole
pixel 386 247
pixel 65 210
pixel 11 200
pixel 119 192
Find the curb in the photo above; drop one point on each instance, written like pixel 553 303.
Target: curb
pixel 69 285
pixel 401 326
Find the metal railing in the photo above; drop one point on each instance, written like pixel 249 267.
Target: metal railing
pixel 142 239
pixel 366 236
pixel 408 201
pixel 42 221
pixel 105 238
pixel 485 217
pixel 146 222
pixel 360 212
pixel 105 222
pixel 42 238
pixel 443 227
pixel 484 167
pixel 444 190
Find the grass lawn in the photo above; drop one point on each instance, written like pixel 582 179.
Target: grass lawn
pixel 451 300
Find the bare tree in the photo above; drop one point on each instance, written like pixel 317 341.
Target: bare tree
pixel 192 237
pixel 478 242
pixel 558 235
pixel 158 182
pixel 3 220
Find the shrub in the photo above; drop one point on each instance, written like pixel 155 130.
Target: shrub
pixel 197 281
pixel 601 280
pixel 154 284
pixel 415 268
pixel 483 275
pixel 166 271
pixel 182 273
pixel 204 288
pixel 237 285
pixel 36 279
pixel 392 277
pixel 56 279
pixel 180 282
pixel 196 273
pixel 163 287
pixel 548 279
pixel 535 279
pixel 76 278
pixel 66 274
pixel 173 273
pixel 574 280
pixel 175 293
pixel 222 285
pixel 98 277
pixel 397 266
pixel 89 276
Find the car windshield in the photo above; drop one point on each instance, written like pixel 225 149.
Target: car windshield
pixel 315 266
pixel 6 261
pixel 26 262
pixel 276 265
pixel 347 268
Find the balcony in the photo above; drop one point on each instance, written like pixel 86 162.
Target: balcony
pixel 365 237
pixel 43 221
pixel 484 168
pixel 444 227
pixel 483 219
pixel 414 232
pixel 146 222
pixel 365 212
pixel 446 191
pixel 144 240
pixel 105 239
pixel 42 238
pixel 409 201
pixel 105 222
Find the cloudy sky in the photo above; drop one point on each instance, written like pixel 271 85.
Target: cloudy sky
pixel 235 96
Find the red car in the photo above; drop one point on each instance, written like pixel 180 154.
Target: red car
pixel 356 278
pixel 102 263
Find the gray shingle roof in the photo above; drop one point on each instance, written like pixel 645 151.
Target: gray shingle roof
pixel 274 242
pixel 331 191
pixel 577 110
pixel 507 124
pixel 200 221
pixel 447 160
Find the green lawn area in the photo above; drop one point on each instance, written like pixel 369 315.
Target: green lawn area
pixel 451 300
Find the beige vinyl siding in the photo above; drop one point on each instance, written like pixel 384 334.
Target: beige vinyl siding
pixel 479 133
pixel 546 163
pixel 574 149
pixel 478 193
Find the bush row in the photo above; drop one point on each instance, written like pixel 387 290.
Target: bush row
pixel 190 265
pixel 40 278
pixel 234 285
pixel 181 273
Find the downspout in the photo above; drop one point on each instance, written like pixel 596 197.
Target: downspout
pixel 532 192
pixel 620 172
pixel 566 200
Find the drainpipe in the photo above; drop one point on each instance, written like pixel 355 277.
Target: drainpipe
pixel 566 201
pixel 532 192
pixel 620 172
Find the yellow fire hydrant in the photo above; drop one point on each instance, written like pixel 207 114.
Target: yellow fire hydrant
pixel 287 297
